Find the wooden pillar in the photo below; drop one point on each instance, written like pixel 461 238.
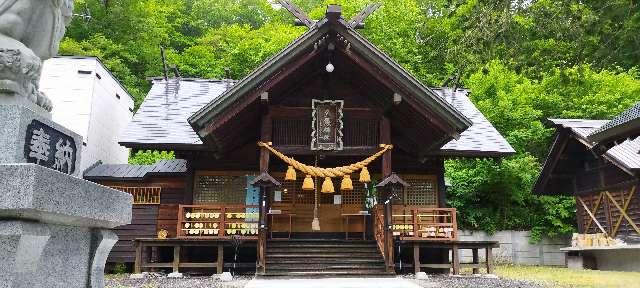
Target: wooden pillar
pixel 220 261
pixel 416 258
pixel 475 260
pixel 137 266
pixel 265 136
pixel 188 193
pixel 385 138
pixel 455 257
pixel 176 258
pixel 489 257
pixel 442 186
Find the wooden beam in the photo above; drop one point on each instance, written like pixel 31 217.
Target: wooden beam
pixel 595 209
pixel 623 212
pixel 346 151
pixel 591 215
pixel 297 12
pixel 625 207
pixel 358 20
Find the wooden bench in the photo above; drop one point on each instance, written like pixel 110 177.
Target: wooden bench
pixel 455 247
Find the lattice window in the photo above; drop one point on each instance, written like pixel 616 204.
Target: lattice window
pixel 220 189
pixel 292 131
pixel 356 196
pixel 142 195
pixel 422 191
pixel 294 192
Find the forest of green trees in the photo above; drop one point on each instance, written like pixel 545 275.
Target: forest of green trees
pixel 523 60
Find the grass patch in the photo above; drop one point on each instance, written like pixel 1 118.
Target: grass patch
pixel 563 277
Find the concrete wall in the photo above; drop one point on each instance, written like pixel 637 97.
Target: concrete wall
pixel 88 100
pixel 516 248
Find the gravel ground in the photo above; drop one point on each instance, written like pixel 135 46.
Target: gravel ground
pixel 476 281
pixel 434 281
pixel 164 282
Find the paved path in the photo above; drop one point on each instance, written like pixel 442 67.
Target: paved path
pixel 333 283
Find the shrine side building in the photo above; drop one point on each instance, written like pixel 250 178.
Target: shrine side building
pixel 329 145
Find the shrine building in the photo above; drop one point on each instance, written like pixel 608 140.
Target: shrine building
pixel 327 159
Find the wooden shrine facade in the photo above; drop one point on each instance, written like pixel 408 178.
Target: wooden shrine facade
pixel 234 191
pixel 604 185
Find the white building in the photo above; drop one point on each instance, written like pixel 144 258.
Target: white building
pixel 89 100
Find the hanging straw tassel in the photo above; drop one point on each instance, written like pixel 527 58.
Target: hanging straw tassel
pixel 291 174
pixel 327 185
pixel 364 175
pixel 346 184
pixel 307 184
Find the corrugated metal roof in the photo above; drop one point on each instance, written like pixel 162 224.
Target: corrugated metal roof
pixel 481 137
pixel 624 154
pixel 126 171
pixel 620 125
pixel 162 117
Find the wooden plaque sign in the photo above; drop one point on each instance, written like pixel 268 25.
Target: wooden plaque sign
pixel 326 130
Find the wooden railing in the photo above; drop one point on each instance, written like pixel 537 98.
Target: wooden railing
pixel 378 226
pixel 420 223
pixel 383 236
pixel 218 221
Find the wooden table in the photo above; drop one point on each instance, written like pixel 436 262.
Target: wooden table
pixel 455 247
pixel 364 224
pixel 273 216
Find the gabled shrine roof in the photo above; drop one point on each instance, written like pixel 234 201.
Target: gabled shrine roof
pixel 624 155
pixel 300 48
pixel 161 120
pixel 626 124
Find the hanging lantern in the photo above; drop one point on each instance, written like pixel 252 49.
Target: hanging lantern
pixel 346 184
pixel 291 174
pixel 307 184
pixel 364 175
pixel 327 186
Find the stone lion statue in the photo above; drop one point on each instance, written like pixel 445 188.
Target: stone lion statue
pixel 30 32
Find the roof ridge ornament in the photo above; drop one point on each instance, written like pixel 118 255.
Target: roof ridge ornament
pixel 333 14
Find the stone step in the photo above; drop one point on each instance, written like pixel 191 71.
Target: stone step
pixel 326 274
pixel 373 255
pixel 323 250
pixel 325 266
pixel 322 245
pixel 372 260
pixel 316 258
